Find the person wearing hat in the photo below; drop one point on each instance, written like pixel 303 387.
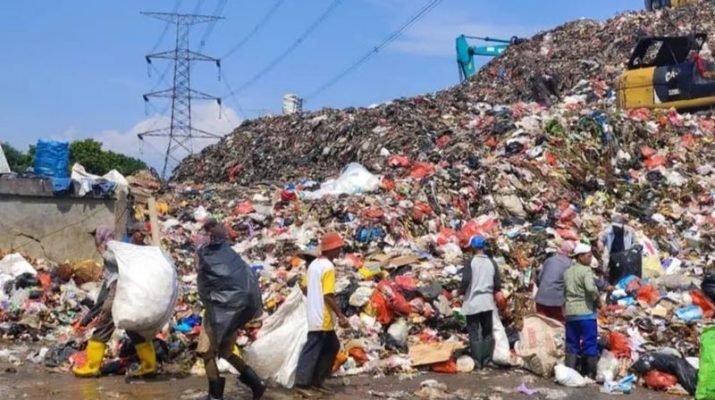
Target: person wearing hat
pixel 480 283
pixel 231 295
pixel 617 239
pixel 550 296
pixel 318 355
pixel 103 307
pixel 581 305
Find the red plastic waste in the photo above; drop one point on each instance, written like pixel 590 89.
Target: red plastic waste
pixel 447 367
pixel 703 302
pixel 398 161
pixel 619 345
pixel 244 208
pixel 648 294
pixel 422 170
pixel 660 380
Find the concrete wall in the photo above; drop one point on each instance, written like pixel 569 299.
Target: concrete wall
pixel 56 228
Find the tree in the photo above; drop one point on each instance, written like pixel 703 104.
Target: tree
pixel 89 153
pixel 18 161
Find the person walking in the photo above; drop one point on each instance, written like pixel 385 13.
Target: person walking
pixel 231 295
pixel 103 307
pixel 581 305
pixel 550 296
pixel 319 352
pixel 480 283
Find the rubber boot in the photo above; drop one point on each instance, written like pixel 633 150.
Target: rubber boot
pixel 95 354
pixel 591 367
pixel 254 382
pixel 571 361
pixel 476 349
pixel 216 389
pixel 147 361
pixel 487 351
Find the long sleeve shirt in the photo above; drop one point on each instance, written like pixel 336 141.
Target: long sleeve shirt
pixel 551 281
pixel 480 280
pixel 580 291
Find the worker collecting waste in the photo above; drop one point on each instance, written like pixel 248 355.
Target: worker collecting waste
pixel 581 305
pixel 319 352
pixel 231 295
pixel 480 283
pixel 103 308
pixel 550 296
pixel 618 241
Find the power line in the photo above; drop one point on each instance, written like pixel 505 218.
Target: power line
pixel 426 9
pixel 255 29
pixel 166 28
pixel 218 11
pixel 312 27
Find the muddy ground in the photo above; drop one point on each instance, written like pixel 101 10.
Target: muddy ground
pixel 34 382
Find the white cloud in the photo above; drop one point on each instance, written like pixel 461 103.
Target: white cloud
pixel 205 116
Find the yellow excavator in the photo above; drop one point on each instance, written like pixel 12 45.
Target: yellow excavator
pixel 665 72
pixel 652 5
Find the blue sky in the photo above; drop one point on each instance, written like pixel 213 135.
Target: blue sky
pixel 76 69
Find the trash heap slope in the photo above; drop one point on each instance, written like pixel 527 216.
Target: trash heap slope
pixel 319 144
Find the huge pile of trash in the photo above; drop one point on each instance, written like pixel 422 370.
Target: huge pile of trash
pixel 436 170
pixel 579 57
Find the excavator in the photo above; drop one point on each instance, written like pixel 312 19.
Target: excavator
pixel 466 52
pixel 665 72
pixel 652 5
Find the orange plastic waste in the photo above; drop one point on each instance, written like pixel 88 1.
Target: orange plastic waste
pixel 244 208
pixel 648 294
pixel 379 305
pixel 422 170
pixel 659 380
pixel 339 360
pixel 398 161
pixel 703 302
pixel 619 345
pixel 447 367
pixel 358 355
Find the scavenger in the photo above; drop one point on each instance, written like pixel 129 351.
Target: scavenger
pixel 550 296
pixel 318 355
pixel 103 307
pixel 480 283
pixel 231 295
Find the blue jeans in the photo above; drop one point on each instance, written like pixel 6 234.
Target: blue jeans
pixel 582 337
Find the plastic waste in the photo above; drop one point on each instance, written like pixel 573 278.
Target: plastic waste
pixel 399 331
pixel 52 159
pixel 147 288
pixel 541 344
pixel 686 374
pixel 355 179
pixel 568 377
pixel 608 366
pixel 623 386
pixel 15 265
pixel 690 313
pixel 657 380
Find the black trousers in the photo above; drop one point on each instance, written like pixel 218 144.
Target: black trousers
pixel 316 359
pixel 480 326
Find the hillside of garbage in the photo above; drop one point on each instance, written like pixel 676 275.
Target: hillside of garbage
pixel 581 56
pixel 524 161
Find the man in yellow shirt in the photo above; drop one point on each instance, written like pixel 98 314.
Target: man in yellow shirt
pixel 318 355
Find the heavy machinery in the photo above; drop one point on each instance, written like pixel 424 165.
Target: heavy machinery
pixel 665 72
pixel 652 5
pixel 466 52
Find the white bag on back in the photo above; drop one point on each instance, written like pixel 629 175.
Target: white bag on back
pixel 274 355
pixel 147 288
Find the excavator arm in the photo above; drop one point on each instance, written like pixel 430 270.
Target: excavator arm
pixel 466 52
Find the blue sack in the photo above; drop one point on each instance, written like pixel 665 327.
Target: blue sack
pixel 52 159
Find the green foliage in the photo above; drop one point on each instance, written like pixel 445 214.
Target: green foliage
pixel 18 161
pixel 89 153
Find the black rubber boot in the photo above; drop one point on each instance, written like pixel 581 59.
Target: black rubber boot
pixel 216 389
pixel 254 382
pixel 488 352
pixel 591 367
pixel 476 348
pixel 572 361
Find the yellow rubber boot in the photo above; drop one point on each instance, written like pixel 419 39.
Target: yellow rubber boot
pixel 147 360
pixel 95 354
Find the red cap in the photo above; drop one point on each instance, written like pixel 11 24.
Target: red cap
pixel 331 241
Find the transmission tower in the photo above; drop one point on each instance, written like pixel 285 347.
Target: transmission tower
pixel 180 131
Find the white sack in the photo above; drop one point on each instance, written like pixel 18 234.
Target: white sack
pixel 16 265
pixel 274 355
pixel 568 377
pixel 147 288
pixel 354 179
pixel 541 344
pixel 502 353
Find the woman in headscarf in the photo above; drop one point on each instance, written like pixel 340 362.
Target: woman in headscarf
pixel 103 307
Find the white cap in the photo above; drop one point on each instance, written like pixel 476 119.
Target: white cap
pixel 581 248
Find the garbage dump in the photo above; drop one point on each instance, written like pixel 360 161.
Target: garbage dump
pixel 525 160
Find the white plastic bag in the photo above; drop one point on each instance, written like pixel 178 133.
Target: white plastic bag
pixel 274 355
pixel 354 179
pixel 568 377
pixel 608 366
pixel 146 288
pixel 502 353
pixel 16 265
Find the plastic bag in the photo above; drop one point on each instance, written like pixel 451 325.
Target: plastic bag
pixel 619 344
pixel 228 288
pixel 502 353
pixel 354 179
pixel 701 301
pixel 657 380
pixel 568 377
pixel 708 285
pixel 629 262
pixel 4 166
pixel 15 265
pixel 52 158
pixel 541 344
pixel 447 367
pixel 687 375
pixel 690 313
pixel 288 326
pixel 706 375
pixel 147 288
pixel 608 366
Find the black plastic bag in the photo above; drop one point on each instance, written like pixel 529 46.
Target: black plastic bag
pixel 708 285
pixel 228 288
pixel 629 262
pixel 687 375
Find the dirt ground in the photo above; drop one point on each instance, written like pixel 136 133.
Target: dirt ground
pixel 33 382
